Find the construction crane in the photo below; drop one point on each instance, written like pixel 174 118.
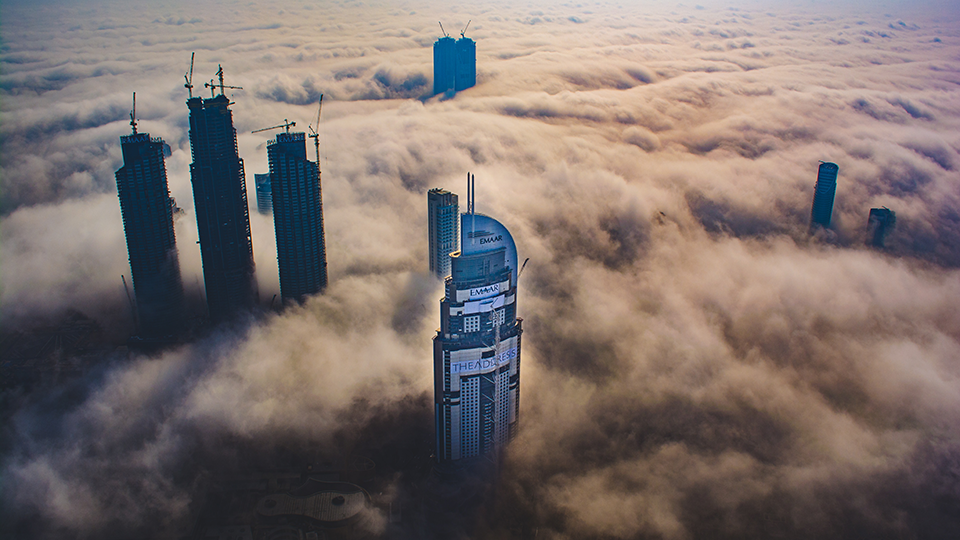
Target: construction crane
pixel 445 34
pixel 465 28
pixel 189 78
pixel 286 125
pixel 133 114
pixel 315 132
pixel 212 86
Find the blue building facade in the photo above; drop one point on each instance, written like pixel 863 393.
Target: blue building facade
pixel 443 229
pixel 476 358
pixel 264 193
pixel 466 64
pixel 444 65
pixel 147 211
pixel 220 199
pixel 297 217
pixel 822 212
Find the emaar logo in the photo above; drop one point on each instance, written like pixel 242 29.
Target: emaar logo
pixel 482 292
pixel 496 238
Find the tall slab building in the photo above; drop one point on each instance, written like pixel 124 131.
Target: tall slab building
pixel 147 211
pixel 466 63
pixel 444 65
pixel 476 352
pixel 822 212
pixel 220 199
pixel 443 229
pixel 297 217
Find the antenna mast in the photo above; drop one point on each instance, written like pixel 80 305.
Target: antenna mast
pixel 445 34
pixel 133 114
pixel 189 78
pixel 465 28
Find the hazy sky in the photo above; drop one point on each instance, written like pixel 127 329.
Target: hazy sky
pixel 694 364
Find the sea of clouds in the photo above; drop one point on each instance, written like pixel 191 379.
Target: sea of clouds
pixel 695 364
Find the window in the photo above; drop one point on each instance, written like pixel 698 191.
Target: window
pixel 471 323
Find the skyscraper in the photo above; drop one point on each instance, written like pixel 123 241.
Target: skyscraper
pixel 476 352
pixel 466 63
pixel 444 65
pixel 822 212
pixel 879 225
pixel 443 220
pixel 147 211
pixel 264 193
pixel 220 198
pixel 297 217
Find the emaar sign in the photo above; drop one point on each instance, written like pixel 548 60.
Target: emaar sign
pixel 484 292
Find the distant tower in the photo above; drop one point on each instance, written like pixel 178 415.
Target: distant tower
pixel 879 225
pixel 466 64
pixel 264 193
pixel 826 189
pixel 297 217
pixel 476 352
pixel 443 220
pixel 147 211
pixel 444 65
pixel 220 198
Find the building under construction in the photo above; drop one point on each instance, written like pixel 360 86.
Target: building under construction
pixel 147 211
pixel 454 63
pixel 220 199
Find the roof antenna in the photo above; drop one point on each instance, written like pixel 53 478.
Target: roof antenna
pixel 133 114
pixel 445 34
pixel 465 28
pixel 189 78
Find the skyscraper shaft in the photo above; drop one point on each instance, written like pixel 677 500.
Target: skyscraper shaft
pixel 151 243
pixel 220 198
pixel 298 217
pixel 443 229
pixel 822 212
pixel 476 358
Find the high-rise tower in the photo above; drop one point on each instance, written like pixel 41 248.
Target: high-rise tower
pixel 466 63
pixel 444 65
pixel 880 223
pixel 264 193
pixel 476 352
pixel 822 212
pixel 443 220
pixel 220 198
pixel 147 211
pixel 297 217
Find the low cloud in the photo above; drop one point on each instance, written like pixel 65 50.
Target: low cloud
pixel 694 362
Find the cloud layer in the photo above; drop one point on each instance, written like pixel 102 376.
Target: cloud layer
pixel 694 364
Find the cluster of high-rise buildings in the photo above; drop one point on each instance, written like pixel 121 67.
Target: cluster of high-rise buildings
pixel 454 63
pixel 223 220
pixel 880 223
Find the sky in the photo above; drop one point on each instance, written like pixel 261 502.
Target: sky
pixel 695 363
